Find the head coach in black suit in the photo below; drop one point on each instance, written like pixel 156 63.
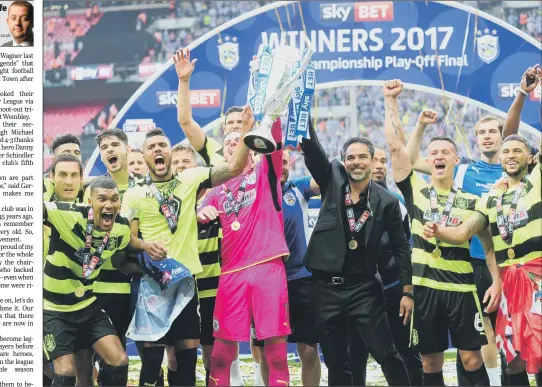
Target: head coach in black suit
pixel 342 255
pixel 20 22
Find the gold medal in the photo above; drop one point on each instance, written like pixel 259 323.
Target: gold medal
pixel 79 292
pixel 235 225
pixel 511 253
pixel 437 253
pixel 353 244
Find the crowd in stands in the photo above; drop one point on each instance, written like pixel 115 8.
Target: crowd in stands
pixel 63 34
pixel 456 121
pixel 527 20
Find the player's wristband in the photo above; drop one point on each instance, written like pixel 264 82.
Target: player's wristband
pixel 523 92
pixel 409 295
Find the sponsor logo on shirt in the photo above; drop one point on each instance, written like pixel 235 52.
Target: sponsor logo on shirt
pixel 248 198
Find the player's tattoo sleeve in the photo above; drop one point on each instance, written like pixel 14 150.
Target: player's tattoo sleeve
pixel 221 174
pixel 475 224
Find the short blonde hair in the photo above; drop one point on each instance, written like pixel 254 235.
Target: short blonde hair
pixel 180 147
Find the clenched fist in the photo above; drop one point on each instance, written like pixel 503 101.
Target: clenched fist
pixel 530 79
pixel 427 117
pixel 429 230
pixel 393 88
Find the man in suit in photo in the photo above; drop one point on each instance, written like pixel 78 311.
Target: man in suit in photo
pixel 346 288
pixel 20 22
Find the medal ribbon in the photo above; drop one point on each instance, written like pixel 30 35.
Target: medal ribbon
pixel 506 224
pixel 91 262
pixel 166 208
pixel 356 227
pixel 441 219
pixel 235 203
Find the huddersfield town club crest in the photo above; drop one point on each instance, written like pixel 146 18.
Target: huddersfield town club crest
pixel 487 45
pixel 228 52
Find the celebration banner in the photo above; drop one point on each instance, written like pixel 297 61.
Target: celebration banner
pixel 438 47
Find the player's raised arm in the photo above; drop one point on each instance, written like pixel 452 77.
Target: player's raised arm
pixel 224 172
pixel 316 159
pixel 529 81
pixel 414 144
pixel 184 68
pixel 394 131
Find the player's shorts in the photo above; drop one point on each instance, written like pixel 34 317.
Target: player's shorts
pixel 206 310
pixel 301 322
pixel 256 294
pixel 65 333
pixel 437 312
pixel 186 325
pixel 483 281
pixel 118 308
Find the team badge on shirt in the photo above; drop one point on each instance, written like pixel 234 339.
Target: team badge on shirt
pixel 289 198
pixel 252 178
pixel 113 243
pixel 461 203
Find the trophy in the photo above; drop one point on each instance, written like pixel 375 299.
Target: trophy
pixel 274 74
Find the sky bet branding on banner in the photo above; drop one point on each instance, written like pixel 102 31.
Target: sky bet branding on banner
pixel 428 45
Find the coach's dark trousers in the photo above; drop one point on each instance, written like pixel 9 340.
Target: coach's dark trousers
pixel 401 338
pixel 358 301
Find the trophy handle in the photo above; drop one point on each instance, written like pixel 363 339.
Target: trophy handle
pixel 261 140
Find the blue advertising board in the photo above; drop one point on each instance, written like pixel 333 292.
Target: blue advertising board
pixel 433 46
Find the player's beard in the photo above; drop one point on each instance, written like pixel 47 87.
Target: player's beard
pixel 161 174
pixel 518 172
pixel 362 176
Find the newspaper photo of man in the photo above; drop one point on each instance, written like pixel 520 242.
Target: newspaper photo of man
pixel 20 23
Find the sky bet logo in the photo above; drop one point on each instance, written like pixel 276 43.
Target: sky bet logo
pixel 360 12
pixel 510 90
pixel 198 98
